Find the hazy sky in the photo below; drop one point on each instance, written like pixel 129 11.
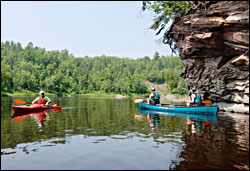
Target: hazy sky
pixel 87 28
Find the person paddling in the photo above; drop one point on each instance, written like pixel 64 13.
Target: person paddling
pixel 196 98
pixel 154 97
pixel 189 95
pixel 42 99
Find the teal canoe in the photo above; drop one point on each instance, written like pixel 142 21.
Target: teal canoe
pixel 178 108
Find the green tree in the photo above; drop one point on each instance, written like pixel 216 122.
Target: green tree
pixel 5 77
pixel 156 56
pixel 34 68
pixel 166 11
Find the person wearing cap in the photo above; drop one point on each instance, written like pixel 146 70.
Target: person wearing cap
pixel 42 99
pixel 196 98
pixel 154 97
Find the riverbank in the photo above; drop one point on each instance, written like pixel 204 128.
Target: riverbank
pixel 175 98
pixel 93 94
pixel 169 97
pixel 165 99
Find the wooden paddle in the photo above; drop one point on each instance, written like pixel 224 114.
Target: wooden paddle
pixel 21 101
pixel 139 100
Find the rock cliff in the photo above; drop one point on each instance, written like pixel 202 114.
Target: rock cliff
pixel 214 47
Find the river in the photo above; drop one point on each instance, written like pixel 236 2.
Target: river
pixel 111 134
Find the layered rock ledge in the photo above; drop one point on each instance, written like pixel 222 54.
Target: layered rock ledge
pixel 214 47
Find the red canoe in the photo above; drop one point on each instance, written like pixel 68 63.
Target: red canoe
pixel 34 107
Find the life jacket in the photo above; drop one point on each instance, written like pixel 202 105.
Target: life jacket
pixel 156 97
pixel 41 101
pixel 197 98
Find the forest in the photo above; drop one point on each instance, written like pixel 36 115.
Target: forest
pixel 33 68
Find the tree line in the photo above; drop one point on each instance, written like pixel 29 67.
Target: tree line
pixel 33 69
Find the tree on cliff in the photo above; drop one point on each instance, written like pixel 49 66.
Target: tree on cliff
pixel 166 11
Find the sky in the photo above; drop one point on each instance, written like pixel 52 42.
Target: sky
pixel 84 28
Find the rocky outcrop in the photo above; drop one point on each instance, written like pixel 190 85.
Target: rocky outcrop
pixel 214 47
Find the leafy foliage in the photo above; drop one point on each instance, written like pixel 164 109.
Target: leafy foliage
pixel 166 11
pixel 33 68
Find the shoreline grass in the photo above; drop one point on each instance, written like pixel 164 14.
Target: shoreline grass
pixel 92 94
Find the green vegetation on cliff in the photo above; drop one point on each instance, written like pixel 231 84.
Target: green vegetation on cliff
pixel 166 11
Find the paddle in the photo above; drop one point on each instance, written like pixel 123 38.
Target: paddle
pixel 139 100
pixel 56 107
pixel 21 101
pixel 207 102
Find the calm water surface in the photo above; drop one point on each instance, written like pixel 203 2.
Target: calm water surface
pixel 105 133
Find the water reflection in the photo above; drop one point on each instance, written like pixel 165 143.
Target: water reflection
pixel 208 142
pixel 195 121
pixel 153 120
pixel 197 127
pixel 109 131
pixel 38 116
pixel 171 126
pixel 216 146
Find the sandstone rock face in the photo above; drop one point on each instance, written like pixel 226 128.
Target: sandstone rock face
pixel 214 47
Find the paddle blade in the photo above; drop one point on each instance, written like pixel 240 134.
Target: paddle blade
pixel 18 118
pixel 57 107
pixel 138 100
pixel 57 110
pixel 54 107
pixel 20 101
pixel 207 102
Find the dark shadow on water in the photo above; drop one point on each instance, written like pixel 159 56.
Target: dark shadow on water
pixel 212 142
pixel 217 146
